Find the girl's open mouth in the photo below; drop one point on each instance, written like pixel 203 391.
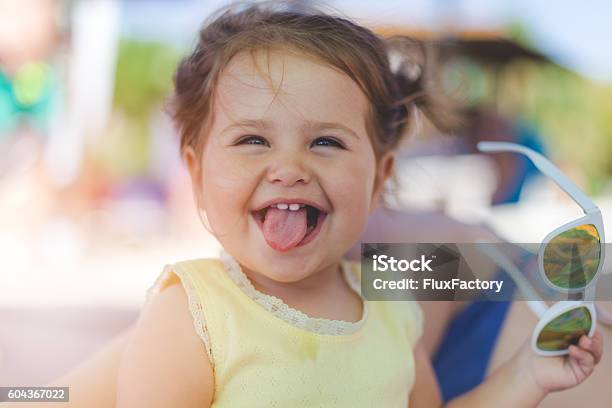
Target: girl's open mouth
pixel 287 226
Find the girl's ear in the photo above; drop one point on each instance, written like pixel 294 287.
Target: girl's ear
pixel 193 166
pixel 384 170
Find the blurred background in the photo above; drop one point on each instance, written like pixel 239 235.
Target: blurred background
pixel 94 199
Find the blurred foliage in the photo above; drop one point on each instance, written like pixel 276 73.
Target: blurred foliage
pixel 143 76
pixel 143 81
pixel 517 31
pixel 572 113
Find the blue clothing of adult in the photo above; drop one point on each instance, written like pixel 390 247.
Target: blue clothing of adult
pixel 462 359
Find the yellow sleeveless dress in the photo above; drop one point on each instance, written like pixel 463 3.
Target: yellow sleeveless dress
pixel 266 354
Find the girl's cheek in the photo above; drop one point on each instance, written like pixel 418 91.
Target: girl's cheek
pixel 228 169
pixel 224 205
pixel 227 185
pixel 352 187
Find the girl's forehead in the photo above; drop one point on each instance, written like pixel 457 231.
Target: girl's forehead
pixel 269 83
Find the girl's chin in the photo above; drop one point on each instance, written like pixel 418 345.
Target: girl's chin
pixel 284 269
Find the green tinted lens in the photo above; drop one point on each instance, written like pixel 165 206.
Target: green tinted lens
pixel 565 329
pixel 571 259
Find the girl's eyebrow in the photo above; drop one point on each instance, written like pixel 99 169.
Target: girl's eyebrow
pixel 322 126
pixel 311 126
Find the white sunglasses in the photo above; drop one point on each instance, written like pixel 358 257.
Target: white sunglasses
pixel 580 240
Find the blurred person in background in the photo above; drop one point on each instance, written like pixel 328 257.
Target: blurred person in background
pixel 30 99
pixel 513 170
pixel 29 85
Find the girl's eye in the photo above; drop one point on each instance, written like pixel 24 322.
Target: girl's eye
pixel 253 140
pixel 327 141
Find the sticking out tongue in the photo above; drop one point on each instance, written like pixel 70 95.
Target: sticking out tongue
pixel 284 229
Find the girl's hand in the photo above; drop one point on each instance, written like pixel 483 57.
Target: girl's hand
pixel 526 379
pixel 559 373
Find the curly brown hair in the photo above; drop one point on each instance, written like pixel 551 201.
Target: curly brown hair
pixel 394 94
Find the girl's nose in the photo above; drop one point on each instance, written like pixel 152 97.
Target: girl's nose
pixel 288 171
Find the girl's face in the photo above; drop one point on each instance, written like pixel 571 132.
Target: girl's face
pixel 287 133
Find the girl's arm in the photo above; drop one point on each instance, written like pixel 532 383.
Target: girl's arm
pixel 165 363
pixel 523 381
pixel 502 389
pixel 425 391
pixel 93 383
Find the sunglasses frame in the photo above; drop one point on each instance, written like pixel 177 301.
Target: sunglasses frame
pixel 538 307
pixel 554 312
pixel 592 216
pixel 591 210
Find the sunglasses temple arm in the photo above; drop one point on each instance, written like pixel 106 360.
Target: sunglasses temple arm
pixel 537 306
pixel 546 167
pixel 603 315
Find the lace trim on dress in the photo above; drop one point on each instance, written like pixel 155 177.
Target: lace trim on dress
pixel 293 316
pixel 195 306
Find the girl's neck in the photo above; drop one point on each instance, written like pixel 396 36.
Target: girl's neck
pixel 320 281
pixel 325 294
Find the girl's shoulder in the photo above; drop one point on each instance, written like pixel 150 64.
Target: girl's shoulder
pixel 190 277
pixel 185 272
pixel 164 345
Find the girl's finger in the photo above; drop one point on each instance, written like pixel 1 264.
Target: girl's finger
pixel 585 342
pixel 593 345
pixel 596 347
pixel 584 359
